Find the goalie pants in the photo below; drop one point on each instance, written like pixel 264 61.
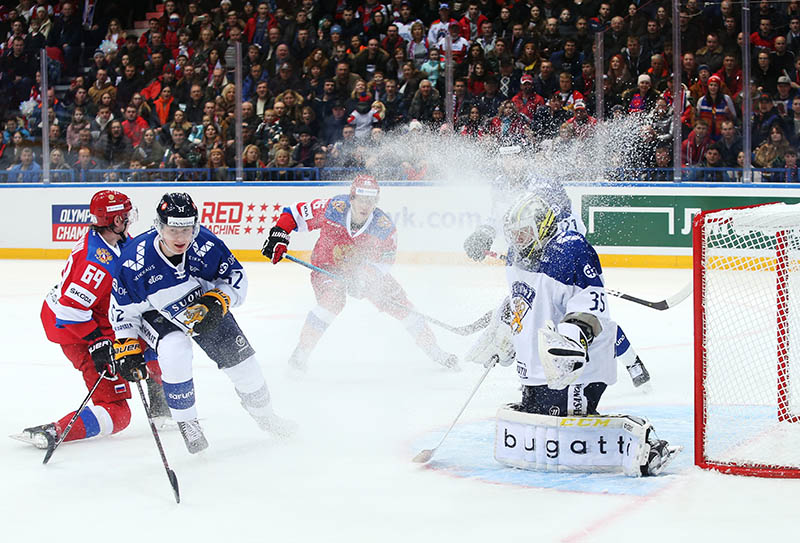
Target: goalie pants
pixel 581 399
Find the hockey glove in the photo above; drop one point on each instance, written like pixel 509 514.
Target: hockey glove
pixel 479 242
pixel 131 364
pixel 276 245
pixel 102 353
pixel 563 357
pixel 208 311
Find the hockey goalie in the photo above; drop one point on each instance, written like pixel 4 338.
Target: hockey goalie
pixel 555 325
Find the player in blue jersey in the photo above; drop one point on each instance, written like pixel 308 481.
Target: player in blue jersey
pixel 177 283
pixel 555 323
pixel 506 187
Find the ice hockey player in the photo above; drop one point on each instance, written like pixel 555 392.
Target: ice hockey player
pixel 555 277
pixel 175 283
pixel 506 187
pixel 75 315
pixel 357 242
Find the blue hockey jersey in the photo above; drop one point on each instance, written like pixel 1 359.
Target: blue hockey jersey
pixel 144 279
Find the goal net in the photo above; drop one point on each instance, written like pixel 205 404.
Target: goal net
pixel 747 340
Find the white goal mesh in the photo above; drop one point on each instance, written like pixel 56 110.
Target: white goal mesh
pixel 747 262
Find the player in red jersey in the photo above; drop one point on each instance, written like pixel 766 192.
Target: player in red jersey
pixel 357 242
pixel 75 315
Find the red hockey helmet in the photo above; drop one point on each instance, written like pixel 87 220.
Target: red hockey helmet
pixel 365 186
pixel 106 205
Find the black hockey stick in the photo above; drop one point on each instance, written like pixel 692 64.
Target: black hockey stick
pixel 63 436
pixel 425 455
pixel 667 303
pixel 465 330
pixel 173 479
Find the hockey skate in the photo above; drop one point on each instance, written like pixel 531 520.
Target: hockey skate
pixel 193 436
pixel 41 437
pixel 159 410
pixel 661 454
pixel 298 362
pixel 639 374
pixel 277 426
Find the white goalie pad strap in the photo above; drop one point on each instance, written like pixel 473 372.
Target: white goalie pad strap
pixel 563 359
pixel 494 340
pixel 614 443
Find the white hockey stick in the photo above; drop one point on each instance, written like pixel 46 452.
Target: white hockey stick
pixel 425 455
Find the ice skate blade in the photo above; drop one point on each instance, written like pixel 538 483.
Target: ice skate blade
pixel 25 437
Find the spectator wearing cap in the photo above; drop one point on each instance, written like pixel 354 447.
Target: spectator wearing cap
pixel 711 54
pixel 258 25
pixel 785 95
pixel 286 80
pixel 172 29
pixel 440 26
pixel 547 120
pixel 583 123
pixel 642 99
pixel 304 151
pixel 699 87
pixel 764 117
pixel 526 101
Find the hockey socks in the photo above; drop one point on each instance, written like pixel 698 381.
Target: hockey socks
pixel 97 420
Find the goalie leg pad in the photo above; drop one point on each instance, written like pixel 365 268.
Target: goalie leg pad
pixel 616 443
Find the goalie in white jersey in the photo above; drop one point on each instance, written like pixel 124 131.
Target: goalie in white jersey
pixel 556 325
pixel 179 282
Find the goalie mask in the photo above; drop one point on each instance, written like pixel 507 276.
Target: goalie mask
pixel 528 225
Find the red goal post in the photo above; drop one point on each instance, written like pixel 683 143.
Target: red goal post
pixel 747 340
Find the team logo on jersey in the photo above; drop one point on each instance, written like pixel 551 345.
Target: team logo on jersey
pixel 343 254
pixel 138 264
pixel 384 222
pixel 339 205
pixel 103 255
pixel 589 271
pixel 522 296
pixel 201 251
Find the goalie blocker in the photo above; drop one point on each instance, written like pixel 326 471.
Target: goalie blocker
pixel 613 443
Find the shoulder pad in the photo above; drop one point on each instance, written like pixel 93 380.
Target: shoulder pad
pixel 337 207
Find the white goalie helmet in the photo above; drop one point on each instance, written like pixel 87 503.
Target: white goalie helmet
pixel 528 225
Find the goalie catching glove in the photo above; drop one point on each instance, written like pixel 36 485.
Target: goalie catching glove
pixel 130 361
pixel 563 355
pixel 495 341
pixel 207 313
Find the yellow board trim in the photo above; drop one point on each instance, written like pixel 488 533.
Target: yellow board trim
pixel 254 255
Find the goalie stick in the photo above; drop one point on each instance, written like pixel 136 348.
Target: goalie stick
pixel 464 330
pixel 661 305
pixel 425 455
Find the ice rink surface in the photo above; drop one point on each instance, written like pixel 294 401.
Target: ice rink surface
pixel 370 401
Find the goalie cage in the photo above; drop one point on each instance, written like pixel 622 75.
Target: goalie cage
pixel 747 340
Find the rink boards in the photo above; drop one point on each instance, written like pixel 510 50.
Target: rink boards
pixel 641 225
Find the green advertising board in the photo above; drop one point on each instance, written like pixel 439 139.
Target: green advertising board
pixel 653 220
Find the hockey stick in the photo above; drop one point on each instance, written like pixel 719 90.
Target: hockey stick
pixel 173 479
pixel 667 303
pixel 77 414
pixel 465 330
pixel 425 455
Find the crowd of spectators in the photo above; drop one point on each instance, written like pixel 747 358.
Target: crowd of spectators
pixel 322 79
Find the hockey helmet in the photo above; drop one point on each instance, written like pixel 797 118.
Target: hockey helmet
pixel 528 225
pixel 107 204
pixel 365 186
pixel 177 209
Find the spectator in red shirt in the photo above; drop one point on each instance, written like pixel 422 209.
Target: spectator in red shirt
pixel 134 126
pixel 526 101
pixel 764 36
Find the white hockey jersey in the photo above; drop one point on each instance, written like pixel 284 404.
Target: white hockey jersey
pixel 567 278
pixel 144 280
